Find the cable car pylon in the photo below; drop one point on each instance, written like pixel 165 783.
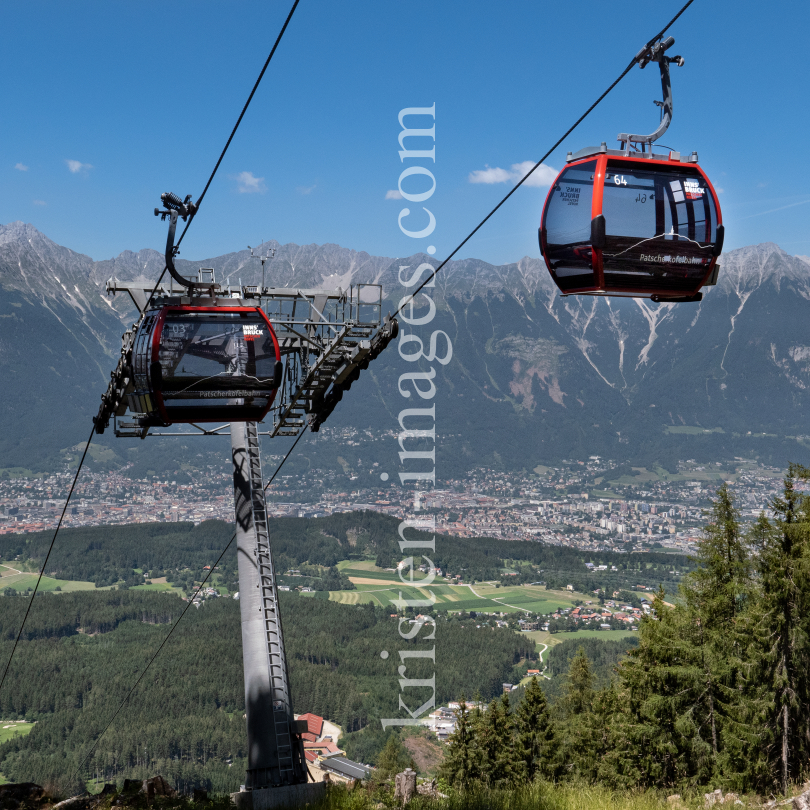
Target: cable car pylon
pixel 202 352
pixel 275 749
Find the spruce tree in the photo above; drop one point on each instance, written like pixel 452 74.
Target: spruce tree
pixel 535 733
pixel 745 761
pixel 574 708
pixel 716 595
pixel 722 580
pixel 776 710
pixel 578 694
pixel 477 713
pixel 664 724
pixel 393 759
pixel 460 767
pixel 495 744
pixel 486 741
pixel 680 687
pixel 605 741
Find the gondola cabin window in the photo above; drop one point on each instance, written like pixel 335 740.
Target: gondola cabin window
pixel 566 228
pixel 660 226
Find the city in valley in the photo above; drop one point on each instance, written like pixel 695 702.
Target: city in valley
pixel 593 503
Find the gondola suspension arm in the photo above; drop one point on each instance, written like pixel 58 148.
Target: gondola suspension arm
pixel 655 53
pixel 175 207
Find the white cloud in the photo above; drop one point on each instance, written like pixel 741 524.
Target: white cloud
pixel 248 183
pixel 721 190
pixel 306 189
pixel 76 166
pixel 40 202
pixel 393 194
pixel 21 167
pixel 542 177
pixel 489 175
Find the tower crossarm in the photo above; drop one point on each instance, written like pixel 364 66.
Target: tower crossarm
pixel 325 337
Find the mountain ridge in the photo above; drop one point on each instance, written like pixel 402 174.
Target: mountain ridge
pixel 590 374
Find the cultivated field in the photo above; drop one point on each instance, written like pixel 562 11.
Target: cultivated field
pixel 19 580
pixel 380 587
pixel 22 580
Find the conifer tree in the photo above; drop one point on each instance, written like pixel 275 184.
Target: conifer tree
pixel 663 727
pixel 576 703
pixel 495 744
pixel 535 733
pixel 605 740
pixel 578 694
pixel 680 686
pixel 716 596
pixel 393 759
pixel 776 712
pixel 477 715
pixel 460 767
pixel 746 762
pixel 723 579
pixel 486 741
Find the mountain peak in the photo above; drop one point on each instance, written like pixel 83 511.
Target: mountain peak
pixel 19 231
pixel 748 267
pixel 330 265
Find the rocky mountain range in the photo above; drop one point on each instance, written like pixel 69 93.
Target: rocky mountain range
pixel 534 377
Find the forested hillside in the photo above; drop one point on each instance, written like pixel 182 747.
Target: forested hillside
pixel 109 554
pixel 715 693
pixel 603 657
pixel 81 653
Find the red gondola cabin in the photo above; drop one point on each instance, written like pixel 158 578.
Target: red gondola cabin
pixel 205 364
pixel 634 224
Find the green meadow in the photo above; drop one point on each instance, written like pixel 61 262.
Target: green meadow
pixel 12 728
pixel 22 580
pixel 381 587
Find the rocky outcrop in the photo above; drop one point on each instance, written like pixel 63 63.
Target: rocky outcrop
pixel 802 801
pixel 156 786
pixel 555 376
pixel 430 789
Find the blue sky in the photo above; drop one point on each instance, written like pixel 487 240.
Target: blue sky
pixel 106 105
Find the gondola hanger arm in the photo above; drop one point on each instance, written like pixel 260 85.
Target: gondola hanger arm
pixel 175 208
pixel 655 52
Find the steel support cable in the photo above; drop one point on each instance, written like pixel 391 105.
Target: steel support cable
pixel 289 453
pixel 233 132
pixel 47 556
pixel 174 626
pixel 241 116
pixel 412 296
pixel 669 24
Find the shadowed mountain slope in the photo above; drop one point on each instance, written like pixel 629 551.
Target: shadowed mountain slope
pixel 534 376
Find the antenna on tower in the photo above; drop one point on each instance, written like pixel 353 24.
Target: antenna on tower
pixel 269 254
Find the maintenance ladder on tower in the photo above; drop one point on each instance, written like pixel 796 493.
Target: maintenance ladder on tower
pixel 283 715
